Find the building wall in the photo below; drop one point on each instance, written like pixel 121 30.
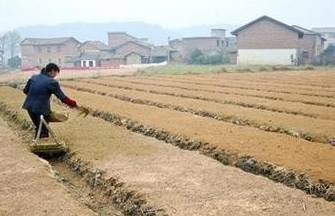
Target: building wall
pixel 133 58
pixel 186 46
pixel 116 39
pixel 267 56
pixel 133 47
pixel 328 34
pixel 89 47
pixel 112 63
pixel 267 35
pixel 203 44
pixel 41 55
pixel 29 58
pixel 311 44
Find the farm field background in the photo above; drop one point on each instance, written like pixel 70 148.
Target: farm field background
pixel 178 109
pixel 283 120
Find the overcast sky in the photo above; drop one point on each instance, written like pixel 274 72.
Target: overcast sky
pixel 168 13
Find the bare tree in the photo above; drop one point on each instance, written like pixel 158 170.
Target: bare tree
pixel 2 44
pixel 11 40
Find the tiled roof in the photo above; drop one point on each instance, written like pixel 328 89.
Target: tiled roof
pixel 324 30
pixel 235 32
pixel 101 55
pixel 305 31
pixel 160 51
pixel 47 41
pixel 98 44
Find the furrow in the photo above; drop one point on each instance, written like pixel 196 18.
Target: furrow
pixel 192 96
pixel 217 116
pixel 307 101
pixel 105 191
pixel 243 86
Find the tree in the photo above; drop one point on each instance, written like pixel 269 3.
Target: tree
pixel 14 62
pixel 11 41
pixel 196 56
pixel 327 57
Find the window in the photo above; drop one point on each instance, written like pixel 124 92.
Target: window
pixel 301 36
pixel 217 43
pixel 90 63
pixel 222 43
pixel 49 49
pixel 305 54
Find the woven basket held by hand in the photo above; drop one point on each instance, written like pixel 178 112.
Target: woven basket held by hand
pixel 58 117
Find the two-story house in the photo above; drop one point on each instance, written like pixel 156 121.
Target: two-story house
pixel 40 51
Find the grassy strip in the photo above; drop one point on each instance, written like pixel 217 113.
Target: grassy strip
pixel 175 69
pixel 220 117
pixel 242 104
pixel 117 193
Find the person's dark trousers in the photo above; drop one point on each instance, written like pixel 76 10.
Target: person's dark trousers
pixel 35 117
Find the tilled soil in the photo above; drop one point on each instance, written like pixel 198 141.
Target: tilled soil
pixel 324 79
pixel 321 112
pixel 260 86
pixel 180 182
pixel 315 159
pixel 240 91
pixel 318 129
pixel 27 185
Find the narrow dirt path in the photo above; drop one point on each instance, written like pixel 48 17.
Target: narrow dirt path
pixel 27 186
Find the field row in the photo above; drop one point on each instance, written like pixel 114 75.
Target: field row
pixel 240 91
pixel 317 78
pixel 321 112
pixel 244 85
pixel 317 130
pixel 27 185
pixel 315 159
pixel 291 82
pixel 122 153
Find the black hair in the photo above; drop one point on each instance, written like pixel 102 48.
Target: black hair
pixel 50 67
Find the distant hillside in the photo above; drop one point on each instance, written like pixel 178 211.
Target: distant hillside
pixel 98 31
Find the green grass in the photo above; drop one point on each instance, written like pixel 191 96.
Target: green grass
pixel 178 69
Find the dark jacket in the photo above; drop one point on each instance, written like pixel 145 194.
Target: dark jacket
pixel 39 89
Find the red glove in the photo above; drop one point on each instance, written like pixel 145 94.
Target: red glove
pixel 71 103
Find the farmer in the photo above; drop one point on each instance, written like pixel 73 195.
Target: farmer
pixel 39 89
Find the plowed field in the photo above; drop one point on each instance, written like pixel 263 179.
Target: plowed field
pixel 280 125
pixel 168 176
